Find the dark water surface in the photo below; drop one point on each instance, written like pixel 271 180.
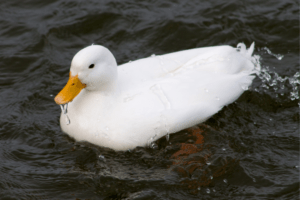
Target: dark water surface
pixel 250 149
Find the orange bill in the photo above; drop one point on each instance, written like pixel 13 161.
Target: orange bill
pixel 70 91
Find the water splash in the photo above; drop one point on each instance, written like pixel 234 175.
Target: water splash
pixel 257 65
pixel 64 110
pixel 151 142
pixel 278 56
pixel 281 86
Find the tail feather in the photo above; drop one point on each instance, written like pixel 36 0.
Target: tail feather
pixel 251 49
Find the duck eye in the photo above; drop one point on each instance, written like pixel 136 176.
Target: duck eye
pixel 91 66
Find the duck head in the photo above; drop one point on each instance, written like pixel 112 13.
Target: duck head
pixel 93 68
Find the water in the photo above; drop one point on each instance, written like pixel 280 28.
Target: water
pixel 38 161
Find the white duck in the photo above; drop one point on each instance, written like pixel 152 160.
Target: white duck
pixel 141 101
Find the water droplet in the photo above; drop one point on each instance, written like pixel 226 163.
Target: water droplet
pixel 225 181
pixel 158 91
pixel 168 137
pixel 153 145
pixel 211 177
pixel 199 188
pixel 296 166
pixel 207 190
pixel 245 87
pixel 101 157
pixel 68 121
pixel 168 148
pixel 278 56
pixel 64 110
pixel 208 163
pixel 153 55
pixel 224 149
pixel 130 61
pixel 190 141
pixel 213 190
pixel 51 95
